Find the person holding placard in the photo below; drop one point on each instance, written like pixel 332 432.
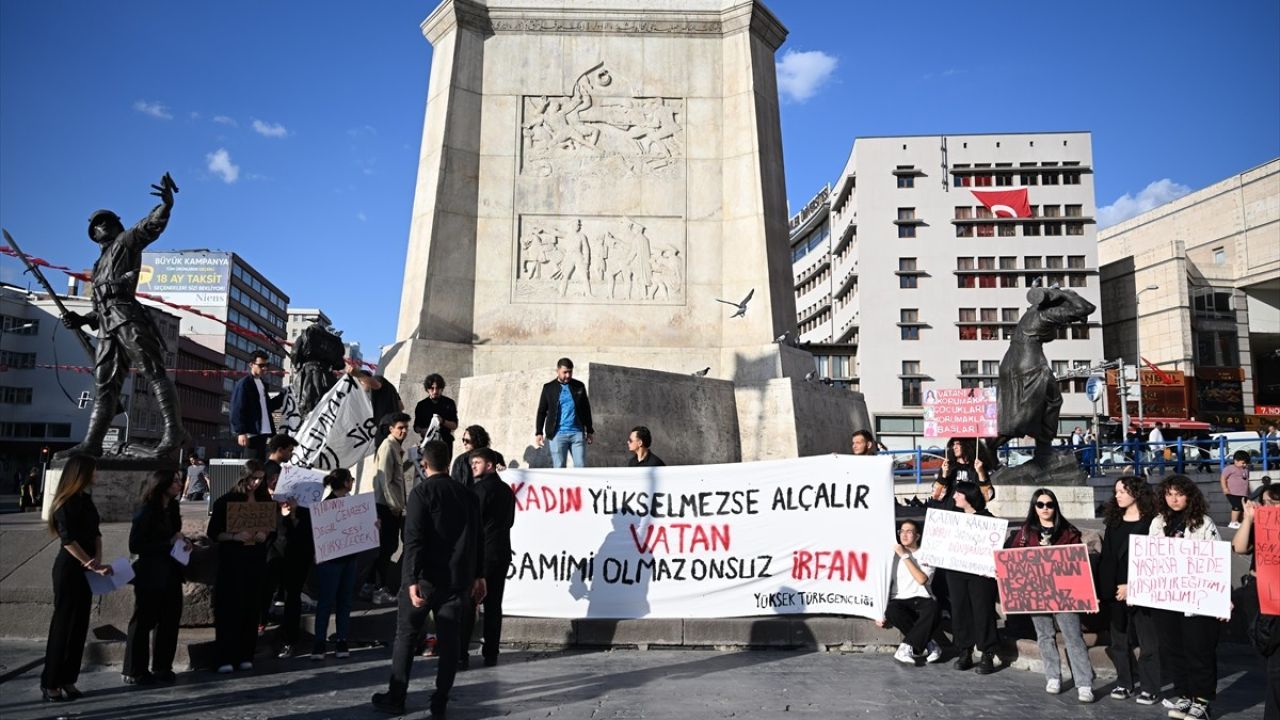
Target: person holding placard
pixel 1129 512
pixel 336 579
pixel 157 582
pixel 1189 643
pixel 290 559
pixel 911 606
pixel 1045 525
pixel 73 518
pixel 1243 544
pixel 241 535
pixel 973 597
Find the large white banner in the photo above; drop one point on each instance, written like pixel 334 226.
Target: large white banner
pixel 962 541
pixel 339 432
pixel 1190 576
pixel 810 535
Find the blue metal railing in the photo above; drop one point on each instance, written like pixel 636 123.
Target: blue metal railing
pixel 1138 457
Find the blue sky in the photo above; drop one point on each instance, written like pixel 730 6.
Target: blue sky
pixel 293 128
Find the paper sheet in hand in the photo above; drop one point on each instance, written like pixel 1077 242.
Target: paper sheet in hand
pixel 180 552
pixel 121 574
pixel 301 484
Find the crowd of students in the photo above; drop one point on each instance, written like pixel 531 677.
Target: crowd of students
pixel 1150 647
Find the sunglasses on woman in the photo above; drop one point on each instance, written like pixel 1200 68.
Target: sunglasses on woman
pixel 1043 505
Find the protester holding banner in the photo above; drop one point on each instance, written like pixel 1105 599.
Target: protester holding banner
pixel 912 608
pixel 473 438
pixel 497 515
pixel 973 597
pixel 290 559
pixel 1129 512
pixel 73 518
pixel 1189 643
pixel 157 582
pixel 242 560
pixel 962 463
pixel 1045 525
pixel 336 579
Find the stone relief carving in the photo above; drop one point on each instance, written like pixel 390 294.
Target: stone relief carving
pixel 646 27
pixel 622 260
pixel 591 133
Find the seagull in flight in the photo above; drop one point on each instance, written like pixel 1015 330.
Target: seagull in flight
pixel 703 372
pixel 742 306
pixel 809 376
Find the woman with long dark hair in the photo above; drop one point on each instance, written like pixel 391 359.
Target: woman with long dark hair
pixel 1045 525
pixel 336 579
pixel 157 582
pixel 1128 512
pixel 242 561
pixel 973 597
pixel 73 518
pixel 1189 643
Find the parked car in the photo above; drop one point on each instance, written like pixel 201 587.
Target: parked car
pixel 1239 440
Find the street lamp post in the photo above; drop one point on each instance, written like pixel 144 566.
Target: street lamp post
pixel 1137 341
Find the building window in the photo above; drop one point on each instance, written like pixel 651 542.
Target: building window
pixel 1007 230
pixel 1049 178
pixel 17 360
pixel 1004 180
pixel 961 180
pixel 1220 256
pixel 968 367
pixel 906 181
pixel 1077 280
pixel 907 265
pixel 964 231
pixel 964 212
pixel 1074 228
pixel 907 319
pixel 1052 228
pixel 911 396
pixel 908 213
pixel 986 230
pixel 1079 332
pixel 1075 211
pixel 906 231
pixel 1030 229
pixel 15 395
pixel 19 326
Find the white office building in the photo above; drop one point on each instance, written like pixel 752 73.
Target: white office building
pixel 911 269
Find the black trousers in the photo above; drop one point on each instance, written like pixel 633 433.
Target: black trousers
pixel 256 449
pixel 447 607
pixel 1134 627
pixel 69 626
pixel 1190 645
pixel 289 575
pixel 237 598
pixel 384 571
pixel 1272 707
pixel 156 609
pixel 916 617
pixel 973 611
pixel 495 581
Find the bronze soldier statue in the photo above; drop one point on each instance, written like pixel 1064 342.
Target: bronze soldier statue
pixel 126 333
pixel 317 353
pixel 1029 397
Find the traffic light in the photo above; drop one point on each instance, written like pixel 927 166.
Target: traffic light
pixel 44 454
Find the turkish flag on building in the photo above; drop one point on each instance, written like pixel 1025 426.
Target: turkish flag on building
pixel 1005 203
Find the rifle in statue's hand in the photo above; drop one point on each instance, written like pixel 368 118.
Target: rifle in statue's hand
pixel 39 276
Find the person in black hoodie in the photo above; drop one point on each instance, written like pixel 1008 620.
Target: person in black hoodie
pixel 242 561
pixel 1129 512
pixel 442 563
pixel 290 559
pixel 157 582
pixel 497 515
pixel 973 597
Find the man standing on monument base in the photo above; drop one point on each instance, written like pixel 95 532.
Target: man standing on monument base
pixel 564 412
pixel 126 333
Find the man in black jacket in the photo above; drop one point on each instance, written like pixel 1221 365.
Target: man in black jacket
pixel 497 515
pixel 251 409
pixel 564 412
pixel 442 560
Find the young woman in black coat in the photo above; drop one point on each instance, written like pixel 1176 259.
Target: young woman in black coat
pixel 242 562
pixel 157 582
pixel 74 520
pixel 973 597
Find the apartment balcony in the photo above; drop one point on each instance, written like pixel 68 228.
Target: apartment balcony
pixel 1084 219
pixel 818 265
pixel 811 311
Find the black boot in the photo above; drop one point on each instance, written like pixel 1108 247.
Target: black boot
pixel 175 436
pixel 986 665
pixel 99 421
pixel 965 660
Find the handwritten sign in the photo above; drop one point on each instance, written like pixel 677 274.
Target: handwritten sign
pixel 961 541
pixel 969 412
pixel 1188 576
pixel 251 517
pixel 1266 548
pixel 304 485
pixel 1050 579
pixel 805 535
pixel 344 526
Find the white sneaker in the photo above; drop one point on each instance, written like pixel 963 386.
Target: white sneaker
pixel 225 669
pixel 246 665
pixel 935 652
pixel 905 654
pixel 1234 526
pixel 1053 687
pixel 1085 694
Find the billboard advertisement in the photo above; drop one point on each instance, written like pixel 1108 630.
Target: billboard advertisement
pixel 187 278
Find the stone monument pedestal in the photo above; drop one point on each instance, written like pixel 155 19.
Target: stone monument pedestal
pixel 117 489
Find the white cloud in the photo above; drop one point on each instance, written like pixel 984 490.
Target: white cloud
pixel 1152 196
pixel 154 109
pixel 224 120
pixel 271 130
pixel 220 164
pixel 802 74
pixel 361 216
